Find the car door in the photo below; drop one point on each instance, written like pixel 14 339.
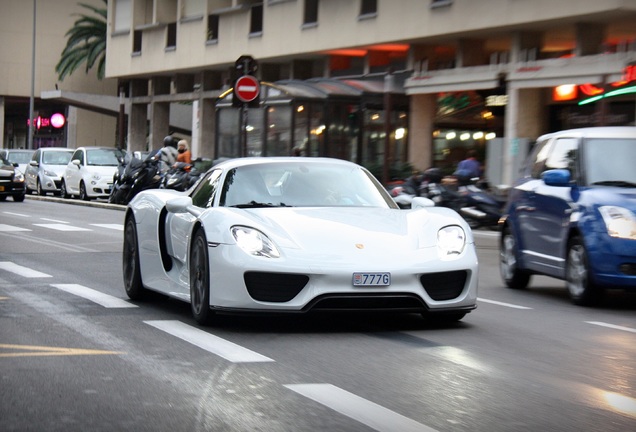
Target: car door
pixel 73 174
pixel 31 172
pixel 553 206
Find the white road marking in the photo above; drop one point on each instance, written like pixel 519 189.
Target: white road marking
pixel 209 342
pixel 366 412
pixel 100 298
pixel 53 220
pixel 22 271
pixel 11 228
pixel 612 326
pixel 118 227
pixel 17 214
pixel 62 227
pixel 502 303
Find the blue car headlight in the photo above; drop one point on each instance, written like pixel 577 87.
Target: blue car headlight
pixel 619 222
pixel 451 240
pixel 254 242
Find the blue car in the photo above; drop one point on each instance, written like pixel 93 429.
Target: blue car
pixel 572 214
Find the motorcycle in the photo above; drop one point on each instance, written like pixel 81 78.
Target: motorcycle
pixel 181 176
pixel 133 176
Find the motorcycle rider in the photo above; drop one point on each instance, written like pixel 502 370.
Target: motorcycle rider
pixel 169 152
pixel 184 152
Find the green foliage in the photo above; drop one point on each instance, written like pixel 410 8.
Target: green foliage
pixel 86 43
pixel 396 172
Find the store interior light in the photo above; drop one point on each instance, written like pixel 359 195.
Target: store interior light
pixel 478 135
pixel 399 133
pixel 451 135
pixel 491 135
pixel 465 136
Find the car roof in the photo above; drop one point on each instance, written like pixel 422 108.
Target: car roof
pixel 237 162
pixel 56 149
pixel 594 132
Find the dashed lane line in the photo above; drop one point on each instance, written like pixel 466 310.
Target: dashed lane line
pixel 366 412
pixel 95 296
pixel 62 227
pixel 510 305
pixel 118 227
pixel 209 342
pixel 612 326
pixel 12 228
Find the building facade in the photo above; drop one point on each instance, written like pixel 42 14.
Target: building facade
pixel 489 75
pixel 25 73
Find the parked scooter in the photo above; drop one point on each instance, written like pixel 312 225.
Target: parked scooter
pixel 181 176
pixel 133 177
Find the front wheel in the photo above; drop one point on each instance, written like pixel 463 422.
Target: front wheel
pixel 63 191
pixel 39 189
pixel 130 260
pixel 582 289
pixel 82 192
pixel 200 279
pixel 512 275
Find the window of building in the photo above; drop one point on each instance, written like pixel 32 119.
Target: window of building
pixel 123 16
pixel 311 12
pixel 368 7
pixel 213 28
pixel 137 41
pixel 256 19
pixel 171 37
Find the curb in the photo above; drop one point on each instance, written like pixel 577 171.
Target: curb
pixel 74 201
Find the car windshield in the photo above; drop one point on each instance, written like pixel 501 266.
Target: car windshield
pixel 56 157
pixel 103 157
pixel 610 161
pixel 20 157
pixel 298 184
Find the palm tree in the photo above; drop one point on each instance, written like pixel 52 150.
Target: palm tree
pixel 86 43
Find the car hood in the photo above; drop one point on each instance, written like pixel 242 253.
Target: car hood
pixel 332 230
pixel 101 170
pixel 622 197
pixel 57 169
pixel 6 171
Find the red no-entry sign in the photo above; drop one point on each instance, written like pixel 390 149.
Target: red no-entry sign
pixel 247 88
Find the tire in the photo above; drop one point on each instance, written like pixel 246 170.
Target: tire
pixel 63 191
pixel 582 289
pixel 133 283
pixel 38 186
pixel 513 276
pixel 82 192
pixel 19 197
pixel 200 279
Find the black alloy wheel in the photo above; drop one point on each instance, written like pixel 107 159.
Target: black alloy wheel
pixel 513 276
pixel 200 279
pixel 130 262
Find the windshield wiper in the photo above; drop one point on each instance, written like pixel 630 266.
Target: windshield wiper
pixel 618 183
pixel 254 204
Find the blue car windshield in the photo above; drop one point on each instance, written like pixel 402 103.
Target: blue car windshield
pixel 610 161
pixel 302 185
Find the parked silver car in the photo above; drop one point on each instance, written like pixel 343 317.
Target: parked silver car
pixel 19 156
pixel 44 171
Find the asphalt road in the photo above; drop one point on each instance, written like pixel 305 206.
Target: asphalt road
pixel 76 355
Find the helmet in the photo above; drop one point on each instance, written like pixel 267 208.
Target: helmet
pixel 433 175
pixel 169 141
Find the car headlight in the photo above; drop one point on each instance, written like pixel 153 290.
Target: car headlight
pixel 18 176
pixel 254 242
pixel 49 173
pixel 619 222
pixel 451 240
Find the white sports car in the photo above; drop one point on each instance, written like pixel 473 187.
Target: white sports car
pixel 297 234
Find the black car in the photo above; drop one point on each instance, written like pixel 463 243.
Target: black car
pixel 11 181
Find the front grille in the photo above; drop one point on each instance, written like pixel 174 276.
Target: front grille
pixel 444 285
pixel 393 302
pixel 628 269
pixel 274 287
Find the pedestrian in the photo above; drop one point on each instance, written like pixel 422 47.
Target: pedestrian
pixel 184 152
pixel 169 152
pixel 470 167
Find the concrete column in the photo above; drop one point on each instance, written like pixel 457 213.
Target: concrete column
pixel 2 131
pixel 207 122
pixel 589 39
pixel 421 121
pixel 71 128
pixel 137 127
pixel 159 123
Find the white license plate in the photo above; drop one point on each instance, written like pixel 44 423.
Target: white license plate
pixel 371 279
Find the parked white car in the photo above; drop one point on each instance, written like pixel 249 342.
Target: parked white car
pixel 19 156
pixel 90 172
pixel 44 173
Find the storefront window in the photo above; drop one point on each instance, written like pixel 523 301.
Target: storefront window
pixel 279 130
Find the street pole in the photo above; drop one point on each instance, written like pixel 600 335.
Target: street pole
pixel 32 97
pixel 121 119
pixel 388 89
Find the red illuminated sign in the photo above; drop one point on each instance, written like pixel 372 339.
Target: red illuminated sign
pixel 562 93
pixel 57 121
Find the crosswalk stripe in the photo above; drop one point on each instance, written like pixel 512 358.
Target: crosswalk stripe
pixel 98 297
pixel 209 342
pixel 53 220
pixel 62 227
pixel 11 228
pixel 17 214
pixel 118 227
pixel 366 412
pixel 22 271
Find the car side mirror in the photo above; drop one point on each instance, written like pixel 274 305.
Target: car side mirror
pixel 76 162
pixel 421 202
pixel 557 177
pixel 34 163
pixel 179 204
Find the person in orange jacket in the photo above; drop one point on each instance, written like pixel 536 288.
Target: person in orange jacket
pixel 184 154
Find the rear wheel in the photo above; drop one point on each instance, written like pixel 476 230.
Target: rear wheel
pixel 130 260
pixel 512 275
pixel 582 289
pixel 200 279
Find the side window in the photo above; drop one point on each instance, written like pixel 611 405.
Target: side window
pixel 36 156
pixel 78 155
pixel 564 155
pixel 538 158
pixel 203 195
